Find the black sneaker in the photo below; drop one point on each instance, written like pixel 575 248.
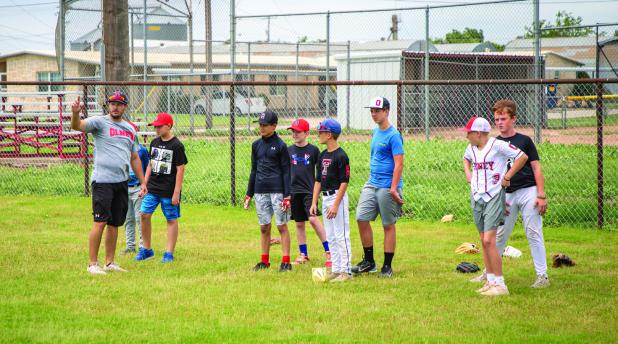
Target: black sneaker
pixel 261 266
pixel 364 266
pixel 387 272
pixel 285 267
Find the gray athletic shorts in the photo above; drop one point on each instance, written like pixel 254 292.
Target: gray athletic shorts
pixel 488 216
pixel 268 204
pixel 374 201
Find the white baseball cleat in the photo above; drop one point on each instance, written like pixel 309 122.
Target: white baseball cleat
pixel 541 282
pixel 96 270
pixel 480 278
pixel 114 267
pixel 484 288
pixel 496 290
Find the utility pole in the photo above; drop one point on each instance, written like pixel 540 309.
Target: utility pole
pixel 208 66
pixel 268 30
pixel 116 39
pixel 395 27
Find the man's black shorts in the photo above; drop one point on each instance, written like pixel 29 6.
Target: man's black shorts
pixel 110 202
pixel 301 203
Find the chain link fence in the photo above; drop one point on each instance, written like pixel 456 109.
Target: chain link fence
pixel 40 154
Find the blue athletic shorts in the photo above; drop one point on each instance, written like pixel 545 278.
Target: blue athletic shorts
pixel 150 203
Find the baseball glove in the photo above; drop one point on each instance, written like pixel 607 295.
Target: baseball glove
pixel 468 248
pixel 466 267
pixel 562 259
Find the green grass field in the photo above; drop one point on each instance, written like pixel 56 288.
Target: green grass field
pixel 433 176
pixel 209 295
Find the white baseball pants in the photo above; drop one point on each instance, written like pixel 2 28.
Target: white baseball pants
pixel 338 233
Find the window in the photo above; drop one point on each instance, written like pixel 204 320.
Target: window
pixel 2 78
pixel 49 76
pixel 278 90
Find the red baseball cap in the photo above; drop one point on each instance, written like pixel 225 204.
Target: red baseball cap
pixel 163 118
pixel 300 125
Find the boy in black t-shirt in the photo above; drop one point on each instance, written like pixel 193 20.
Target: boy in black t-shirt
pixel 332 177
pixel 164 178
pixel 303 159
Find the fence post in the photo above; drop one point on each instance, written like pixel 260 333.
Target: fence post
pixel 427 132
pixel 600 196
pixel 232 146
pixel 399 97
pixel 86 146
pixel 347 88
pixel 327 95
pixel 538 89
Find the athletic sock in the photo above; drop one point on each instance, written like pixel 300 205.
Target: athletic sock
pixel 388 258
pixel 500 281
pixel 491 278
pixel 303 250
pixel 369 254
pixel 325 245
pixel 265 259
pixel 286 259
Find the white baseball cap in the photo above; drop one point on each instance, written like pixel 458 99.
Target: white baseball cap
pixel 379 103
pixel 477 124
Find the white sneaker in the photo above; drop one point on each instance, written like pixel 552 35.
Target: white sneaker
pixel 496 290
pixel 484 288
pixel 96 270
pixel 114 267
pixel 342 277
pixel 480 278
pixel 541 282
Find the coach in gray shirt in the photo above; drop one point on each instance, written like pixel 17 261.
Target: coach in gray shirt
pixel 115 148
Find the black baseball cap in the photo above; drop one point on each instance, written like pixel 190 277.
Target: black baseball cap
pixel 267 117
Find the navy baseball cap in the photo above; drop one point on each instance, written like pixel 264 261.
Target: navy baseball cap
pixel 118 97
pixel 330 125
pixel 267 117
pixel 379 103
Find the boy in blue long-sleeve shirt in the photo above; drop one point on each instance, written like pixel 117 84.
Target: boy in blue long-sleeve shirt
pixel 135 202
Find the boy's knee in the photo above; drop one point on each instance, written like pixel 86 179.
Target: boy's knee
pixel 282 229
pixel 265 229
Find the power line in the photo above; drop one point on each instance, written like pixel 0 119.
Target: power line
pixel 30 14
pixel 29 5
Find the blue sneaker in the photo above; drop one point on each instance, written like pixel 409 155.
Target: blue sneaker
pixel 168 257
pixel 144 254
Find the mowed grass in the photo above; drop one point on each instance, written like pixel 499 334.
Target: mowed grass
pixel 209 295
pixel 434 182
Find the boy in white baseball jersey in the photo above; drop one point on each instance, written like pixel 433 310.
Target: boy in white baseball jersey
pixel 332 177
pixel 485 164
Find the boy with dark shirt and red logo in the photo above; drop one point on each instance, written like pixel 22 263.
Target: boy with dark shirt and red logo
pixel 303 159
pixel 331 180
pixel 164 176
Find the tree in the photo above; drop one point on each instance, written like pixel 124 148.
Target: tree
pixel 563 19
pixel 467 36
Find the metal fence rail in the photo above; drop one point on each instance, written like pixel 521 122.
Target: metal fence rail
pixel 577 136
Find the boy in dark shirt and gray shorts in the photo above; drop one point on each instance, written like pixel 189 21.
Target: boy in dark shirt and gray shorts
pixel 269 183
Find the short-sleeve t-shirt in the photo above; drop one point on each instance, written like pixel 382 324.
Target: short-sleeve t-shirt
pixel 489 166
pixel 385 144
pixel 525 177
pixel 302 168
pixel 165 157
pixel 333 169
pixel 113 144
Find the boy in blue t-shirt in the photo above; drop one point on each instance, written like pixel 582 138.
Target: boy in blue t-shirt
pixel 383 191
pixel 133 214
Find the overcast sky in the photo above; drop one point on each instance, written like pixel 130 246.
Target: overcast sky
pixel 30 24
